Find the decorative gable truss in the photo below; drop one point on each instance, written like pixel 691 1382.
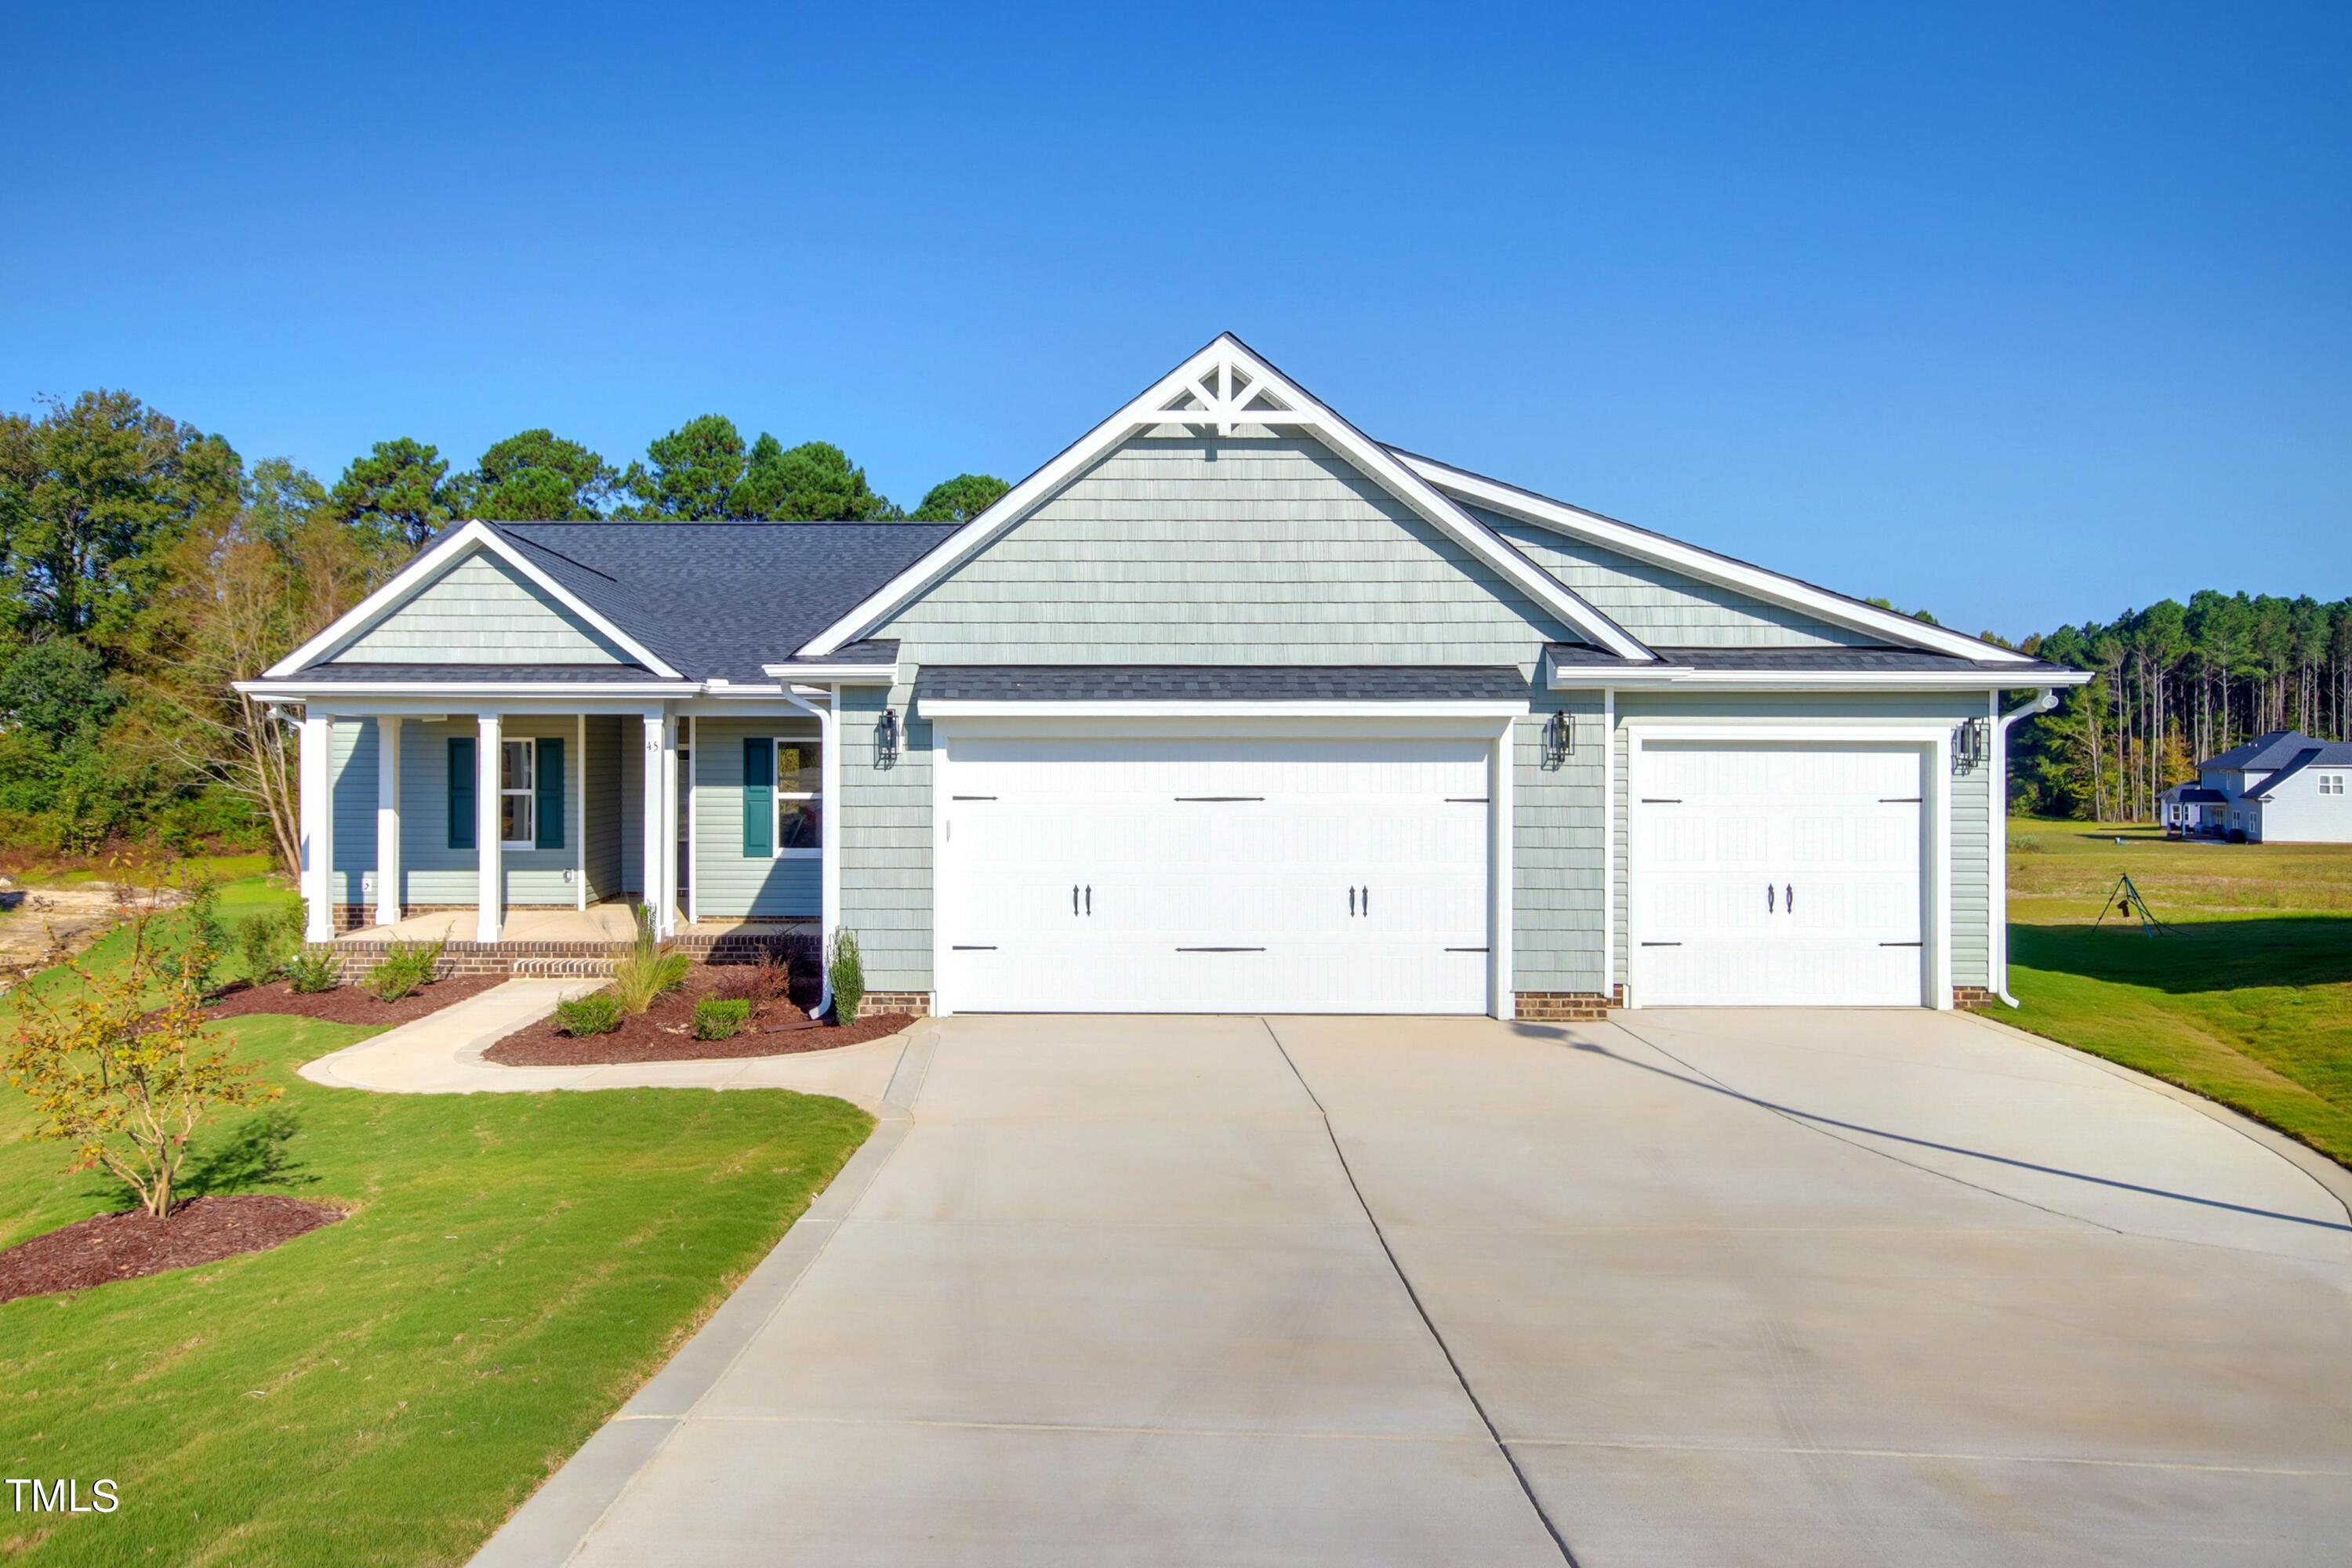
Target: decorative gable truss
pixel 1227 388
pixel 433 565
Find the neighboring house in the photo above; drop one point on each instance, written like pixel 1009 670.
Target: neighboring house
pixel 2285 787
pixel 1227 707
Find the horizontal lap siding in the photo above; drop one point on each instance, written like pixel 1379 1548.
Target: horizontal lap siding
pixel 1556 862
pixel 481 611
pixel 1665 607
pixel 1971 794
pixel 884 839
pixel 431 872
pixel 353 755
pixel 725 883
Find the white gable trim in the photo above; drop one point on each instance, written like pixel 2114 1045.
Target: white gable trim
pixel 417 574
pixel 1704 564
pixel 1226 386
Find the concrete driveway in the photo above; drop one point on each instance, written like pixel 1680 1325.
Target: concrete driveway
pixel 1702 1288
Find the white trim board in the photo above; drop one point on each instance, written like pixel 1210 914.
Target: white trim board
pixel 1480 707
pixel 1705 565
pixel 447 553
pixel 1224 385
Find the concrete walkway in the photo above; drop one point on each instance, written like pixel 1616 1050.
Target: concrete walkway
pixel 441 1053
pixel 1721 1289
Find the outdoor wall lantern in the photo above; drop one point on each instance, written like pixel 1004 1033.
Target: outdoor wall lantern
pixel 1969 745
pixel 1560 739
pixel 886 739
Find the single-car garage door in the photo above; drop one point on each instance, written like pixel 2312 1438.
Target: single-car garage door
pixel 1768 875
pixel 1213 875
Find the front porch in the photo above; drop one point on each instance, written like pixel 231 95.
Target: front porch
pixel 566 942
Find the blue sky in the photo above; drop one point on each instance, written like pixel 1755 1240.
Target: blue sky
pixel 2027 314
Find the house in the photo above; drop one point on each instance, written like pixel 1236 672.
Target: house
pixel 1227 707
pixel 2285 787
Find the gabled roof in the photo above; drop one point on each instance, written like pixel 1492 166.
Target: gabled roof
pixel 2321 755
pixel 1708 565
pixel 2278 749
pixel 1227 387
pixel 695 600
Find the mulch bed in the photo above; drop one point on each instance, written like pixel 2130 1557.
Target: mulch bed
pixel 665 1032
pixel 111 1247
pixel 348 1004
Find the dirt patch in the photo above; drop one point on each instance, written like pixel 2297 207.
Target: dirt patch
pixel 348 1004
pixel 42 926
pixel 665 1033
pixel 111 1247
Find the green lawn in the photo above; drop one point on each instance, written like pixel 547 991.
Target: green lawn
pixel 386 1390
pixel 2249 1001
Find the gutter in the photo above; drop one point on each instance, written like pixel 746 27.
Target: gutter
pixel 2043 701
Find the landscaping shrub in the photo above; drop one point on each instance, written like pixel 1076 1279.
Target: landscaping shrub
pixel 266 941
pixel 598 1013
pixel 203 938
pixel 720 1017
pixel 847 969
pixel 313 969
pixel 765 981
pixel 406 966
pixel 647 969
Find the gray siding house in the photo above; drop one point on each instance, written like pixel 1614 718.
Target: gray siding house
pixel 1227 707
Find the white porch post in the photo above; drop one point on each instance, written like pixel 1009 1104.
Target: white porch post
pixel 656 820
pixel 489 896
pixel 387 819
pixel 828 880
pixel 318 808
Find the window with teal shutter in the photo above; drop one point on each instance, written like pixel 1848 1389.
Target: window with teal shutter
pixel 461 792
pixel 758 798
pixel 551 792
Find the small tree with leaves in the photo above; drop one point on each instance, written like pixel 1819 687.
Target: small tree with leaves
pixel 123 1082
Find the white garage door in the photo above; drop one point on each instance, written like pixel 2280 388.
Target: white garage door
pixel 1202 875
pixel 1775 875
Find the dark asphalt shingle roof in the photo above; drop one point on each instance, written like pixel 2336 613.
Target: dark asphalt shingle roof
pixel 1216 683
pixel 567 673
pixel 1796 661
pixel 2278 749
pixel 721 599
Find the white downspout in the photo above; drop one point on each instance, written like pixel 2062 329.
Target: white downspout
pixel 2042 702
pixel 828 873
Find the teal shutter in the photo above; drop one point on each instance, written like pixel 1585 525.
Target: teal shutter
pixel 461 792
pixel 758 798
pixel 550 780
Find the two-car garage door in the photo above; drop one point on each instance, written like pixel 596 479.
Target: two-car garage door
pixel 1227 875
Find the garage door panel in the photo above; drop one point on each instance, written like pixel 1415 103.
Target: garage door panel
pixel 1216 874
pixel 1779 875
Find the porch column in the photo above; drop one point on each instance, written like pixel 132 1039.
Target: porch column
pixel 387 820
pixel 657 829
pixel 489 895
pixel 318 808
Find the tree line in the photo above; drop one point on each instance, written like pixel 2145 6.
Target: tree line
pixel 145 564
pixel 2177 683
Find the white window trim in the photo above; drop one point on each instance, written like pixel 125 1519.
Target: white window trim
pixel 529 792
pixel 778 795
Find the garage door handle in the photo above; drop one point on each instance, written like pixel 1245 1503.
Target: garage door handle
pixel 1789 899
pixel 1074 898
pixel 1090 899
pixel 1351 901
pixel 1767 898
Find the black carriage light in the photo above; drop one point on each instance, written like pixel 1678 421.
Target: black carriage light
pixel 1969 745
pixel 886 738
pixel 1560 739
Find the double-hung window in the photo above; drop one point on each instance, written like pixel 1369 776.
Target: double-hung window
pixel 800 797
pixel 518 795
